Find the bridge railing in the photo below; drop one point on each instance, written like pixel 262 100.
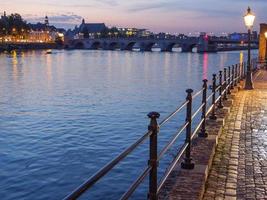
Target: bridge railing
pixel 222 85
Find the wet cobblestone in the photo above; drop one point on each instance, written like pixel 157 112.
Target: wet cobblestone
pixel 239 168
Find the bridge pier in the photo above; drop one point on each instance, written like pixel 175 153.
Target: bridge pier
pixel 166 47
pixel 186 48
pixel 204 45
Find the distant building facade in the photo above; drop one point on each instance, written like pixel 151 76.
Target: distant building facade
pixel 243 36
pixel 87 30
pixel 44 32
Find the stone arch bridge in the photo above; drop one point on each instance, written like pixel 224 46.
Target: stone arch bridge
pixel 144 44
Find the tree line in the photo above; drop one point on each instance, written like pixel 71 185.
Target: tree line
pixel 13 25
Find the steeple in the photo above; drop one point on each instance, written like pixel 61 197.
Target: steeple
pixel 46 21
pixel 4 13
pixel 83 21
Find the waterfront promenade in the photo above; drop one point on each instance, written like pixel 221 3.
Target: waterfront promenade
pixel 239 168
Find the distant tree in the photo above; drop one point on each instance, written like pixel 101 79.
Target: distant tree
pixel 114 30
pixel 13 24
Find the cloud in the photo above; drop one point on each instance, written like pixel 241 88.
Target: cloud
pixel 67 18
pixel 149 6
pixel 93 3
pixel 188 7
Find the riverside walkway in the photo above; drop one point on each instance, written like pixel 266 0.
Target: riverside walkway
pixel 239 168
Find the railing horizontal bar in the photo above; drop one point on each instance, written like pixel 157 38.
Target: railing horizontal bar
pixel 218 98
pixel 209 110
pixel 217 89
pixel 172 114
pixel 138 181
pixel 198 93
pixel 171 167
pixel 197 128
pixel 168 146
pixel 93 179
pixel 209 97
pixel 197 111
pixel 224 91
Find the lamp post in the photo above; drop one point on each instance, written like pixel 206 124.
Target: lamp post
pixel 249 20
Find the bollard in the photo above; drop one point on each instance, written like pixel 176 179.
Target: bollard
pixel 225 83
pixel 232 77
pixel 220 90
pixel 213 116
pixel 153 148
pixel 229 80
pixel 203 132
pixel 187 163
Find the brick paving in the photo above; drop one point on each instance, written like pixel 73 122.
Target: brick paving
pixel 239 168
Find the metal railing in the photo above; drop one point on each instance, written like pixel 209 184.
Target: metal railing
pixel 222 84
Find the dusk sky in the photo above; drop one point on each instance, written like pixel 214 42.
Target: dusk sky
pixel 174 16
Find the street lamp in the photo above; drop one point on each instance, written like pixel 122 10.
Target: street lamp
pixel 249 20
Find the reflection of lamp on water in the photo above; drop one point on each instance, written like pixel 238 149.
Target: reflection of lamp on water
pixel 249 20
pixel 241 55
pixel 205 66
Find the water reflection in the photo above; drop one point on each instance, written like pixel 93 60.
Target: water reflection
pixel 205 66
pixel 223 59
pixel 14 64
pixel 241 59
pixel 48 68
pixel 81 108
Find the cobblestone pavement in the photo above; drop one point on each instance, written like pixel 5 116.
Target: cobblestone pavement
pixel 239 168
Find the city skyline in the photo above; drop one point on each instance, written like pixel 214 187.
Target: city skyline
pixel 158 16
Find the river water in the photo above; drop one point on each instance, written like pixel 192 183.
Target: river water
pixel 66 114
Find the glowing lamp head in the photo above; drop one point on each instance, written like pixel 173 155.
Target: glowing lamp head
pixel 265 34
pixel 249 18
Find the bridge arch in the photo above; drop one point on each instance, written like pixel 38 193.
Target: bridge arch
pixel 129 46
pixel 96 45
pixel 79 45
pixel 149 46
pixel 190 48
pixel 169 46
pixel 114 46
pixel 177 48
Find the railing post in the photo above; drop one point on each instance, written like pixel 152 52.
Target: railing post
pixel 232 77
pixel 187 163
pixel 220 90
pixel 213 116
pixel 153 148
pixel 203 132
pixel 229 80
pixel 225 83
pixel 235 75
pixel 245 70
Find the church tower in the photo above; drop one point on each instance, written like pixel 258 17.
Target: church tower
pixel 46 21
